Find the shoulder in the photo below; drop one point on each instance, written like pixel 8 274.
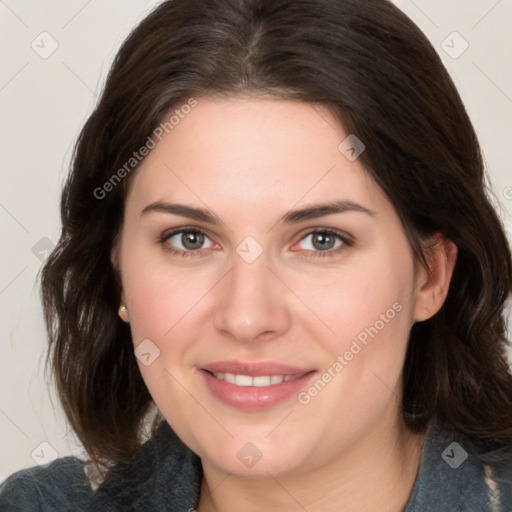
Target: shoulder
pixel 61 485
pixel 453 475
pixel 162 475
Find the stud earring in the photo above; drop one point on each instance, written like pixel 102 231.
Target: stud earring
pixel 122 308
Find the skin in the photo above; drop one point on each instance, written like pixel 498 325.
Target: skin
pixel 249 160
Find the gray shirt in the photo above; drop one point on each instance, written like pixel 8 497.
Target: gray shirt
pixel 164 475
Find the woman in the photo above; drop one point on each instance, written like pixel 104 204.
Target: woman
pixel 278 262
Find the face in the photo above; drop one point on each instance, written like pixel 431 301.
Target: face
pixel 270 339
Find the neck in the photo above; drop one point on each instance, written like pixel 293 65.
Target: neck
pixel 378 474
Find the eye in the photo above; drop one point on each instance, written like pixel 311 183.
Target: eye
pixel 185 241
pixel 190 242
pixel 325 242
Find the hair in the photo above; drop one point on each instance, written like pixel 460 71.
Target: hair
pixel 378 74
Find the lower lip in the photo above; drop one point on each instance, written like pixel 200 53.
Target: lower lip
pixel 252 398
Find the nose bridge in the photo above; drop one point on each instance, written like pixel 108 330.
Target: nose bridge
pixel 252 302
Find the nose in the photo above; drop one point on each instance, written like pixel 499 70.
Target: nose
pixel 253 302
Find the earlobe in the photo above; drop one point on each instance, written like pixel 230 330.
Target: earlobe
pixel 433 285
pixel 123 312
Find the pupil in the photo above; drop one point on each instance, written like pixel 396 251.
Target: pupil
pixel 192 240
pixel 323 240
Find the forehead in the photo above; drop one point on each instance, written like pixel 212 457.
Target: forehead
pixel 253 153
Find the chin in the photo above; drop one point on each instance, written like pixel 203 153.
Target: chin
pixel 256 457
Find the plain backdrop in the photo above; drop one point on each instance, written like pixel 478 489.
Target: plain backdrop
pixel 55 56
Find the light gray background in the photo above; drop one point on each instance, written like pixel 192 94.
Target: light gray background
pixel 45 101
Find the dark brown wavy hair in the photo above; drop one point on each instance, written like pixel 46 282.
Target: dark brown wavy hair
pixel 382 79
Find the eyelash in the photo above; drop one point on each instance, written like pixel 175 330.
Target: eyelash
pixel 346 242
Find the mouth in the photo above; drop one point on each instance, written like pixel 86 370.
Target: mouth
pixel 254 386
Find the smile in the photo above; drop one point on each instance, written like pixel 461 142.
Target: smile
pixel 254 386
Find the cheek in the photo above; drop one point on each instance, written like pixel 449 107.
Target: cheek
pixel 164 305
pixel 369 298
pixel 368 311
pixel 160 296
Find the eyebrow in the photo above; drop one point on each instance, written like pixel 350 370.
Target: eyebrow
pixel 291 217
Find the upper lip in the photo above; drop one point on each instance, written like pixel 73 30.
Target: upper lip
pixel 254 369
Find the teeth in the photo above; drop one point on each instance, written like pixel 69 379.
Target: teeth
pixel 229 377
pixel 260 381
pixel 243 380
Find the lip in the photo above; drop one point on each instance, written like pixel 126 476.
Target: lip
pixel 253 398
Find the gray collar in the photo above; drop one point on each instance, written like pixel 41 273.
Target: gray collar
pixel 454 478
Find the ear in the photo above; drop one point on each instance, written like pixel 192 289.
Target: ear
pixel 114 258
pixel 432 285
